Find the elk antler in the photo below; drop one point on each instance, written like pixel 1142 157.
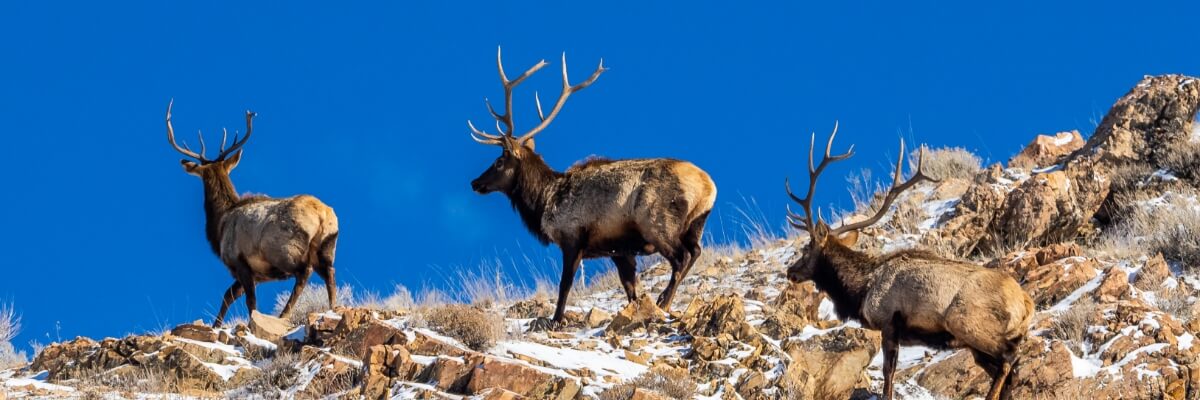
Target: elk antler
pixel 806 222
pixel 222 152
pixel 897 188
pixel 507 118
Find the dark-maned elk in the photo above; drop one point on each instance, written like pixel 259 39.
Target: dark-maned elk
pixel 259 238
pixel 911 296
pixel 600 208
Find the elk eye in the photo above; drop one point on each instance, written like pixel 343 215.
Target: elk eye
pixel 498 162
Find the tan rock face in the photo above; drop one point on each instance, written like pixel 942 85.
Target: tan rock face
pixel 1153 273
pixel 1047 150
pixel 490 372
pixel 268 327
pixel 640 314
pixel 713 317
pixel 795 307
pixel 1050 283
pixel 829 366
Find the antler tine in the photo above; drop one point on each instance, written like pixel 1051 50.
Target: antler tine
pixel 893 193
pixel 225 135
pixel 481 136
pixel 814 172
pixel 567 90
pixel 238 143
pixel 507 117
pixel 200 137
pixel 171 137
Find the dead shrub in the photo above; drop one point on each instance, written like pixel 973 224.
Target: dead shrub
pixel 1169 223
pixel 947 162
pixel 1177 302
pixel 312 299
pixel 275 375
pixel 1071 325
pixel 10 326
pixel 473 326
pixel 674 383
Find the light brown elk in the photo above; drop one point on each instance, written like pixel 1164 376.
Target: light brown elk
pixel 911 296
pixel 260 238
pixel 601 208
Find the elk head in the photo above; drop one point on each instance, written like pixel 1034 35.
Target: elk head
pixel 821 235
pixel 203 167
pixel 502 174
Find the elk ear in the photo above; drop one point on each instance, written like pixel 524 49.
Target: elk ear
pixel 232 162
pixel 529 144
pixel 190 167
pixel 848 239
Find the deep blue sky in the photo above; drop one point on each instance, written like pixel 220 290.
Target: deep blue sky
pixel 365 106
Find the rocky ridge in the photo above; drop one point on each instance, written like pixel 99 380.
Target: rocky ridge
pixel 1105 325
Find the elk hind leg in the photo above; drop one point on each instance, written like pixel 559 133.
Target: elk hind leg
pixel 324 267
pixel 231 295
pixel 678 258
pixel 244 275
pixel 691 241
pixel 301 281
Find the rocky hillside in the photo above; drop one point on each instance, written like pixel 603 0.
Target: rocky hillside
pixel 1100 233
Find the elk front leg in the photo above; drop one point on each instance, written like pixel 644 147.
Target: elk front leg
pixel 572 256
pixel 231 295
pixel 627 271
pixel 301 283
pixel 891 350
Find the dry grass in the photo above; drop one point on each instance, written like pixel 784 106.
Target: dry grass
pixel 10 326
pixel 1071 326
pixel 1177 302
pixel 674 383
pixel 947 162
pixel 474 326
pixel 312 299
pixel 275 375
pixel 401 299
pixel 1169 224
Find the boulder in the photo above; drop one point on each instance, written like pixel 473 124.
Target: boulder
pixel 196 331
pixel 489 373
pixel 794 308
pixel 1047 150
pixel 383 366
pixel 639 314
pixel 334 374
pixel 1114 286
pixel 358 330
pixel 1145 124
pixel 268 327
pixel 1050 283
pixel 829 366
pixel 712 317
pixel 596 318
pixel 1153 274
pixel 532 308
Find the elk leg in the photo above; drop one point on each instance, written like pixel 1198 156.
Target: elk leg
pixel 231 295
pixel 998 380
pixel 678 260
pixel 627 270
pixel 571 259
pixel 325 268
pixel 891 351
pixel 246 277
pixel 691 240
pixel 301 282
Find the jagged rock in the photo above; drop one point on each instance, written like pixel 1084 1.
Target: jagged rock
pixel 1146 123
pixel 532 308
pixel 1049 207
pixel 646 394
pixel 426 345
pixel 489 372
pixel 385 364
pixel 1046 150
pixel 1115 286
pixel 1050 283
pixel 794 308
pixel 498 394
pixel 596 317
pixel 358 330
pixel 190 372
pixel 636 315
pixel 829 366
pixel 1153 273
pixel 751 384
pixel 716 316
pixel 449 374
pixel 268 327
pixel 196 331
pixel 1043 367
pixel 320 326
pixel 62 360
pixel 968 225
pixel 956 376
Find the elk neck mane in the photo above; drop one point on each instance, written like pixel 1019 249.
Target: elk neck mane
pixel 219 198
pixel 535 185
pixel 845 276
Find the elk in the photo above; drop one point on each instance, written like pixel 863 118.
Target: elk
pixel 911 296
pixel 259 238
pixel 599 208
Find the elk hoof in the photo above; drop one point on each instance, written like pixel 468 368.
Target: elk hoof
pixel 543 324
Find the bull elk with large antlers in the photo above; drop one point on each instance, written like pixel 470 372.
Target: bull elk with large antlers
pixel 601 208
pixel 259 238
pixel 911 296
